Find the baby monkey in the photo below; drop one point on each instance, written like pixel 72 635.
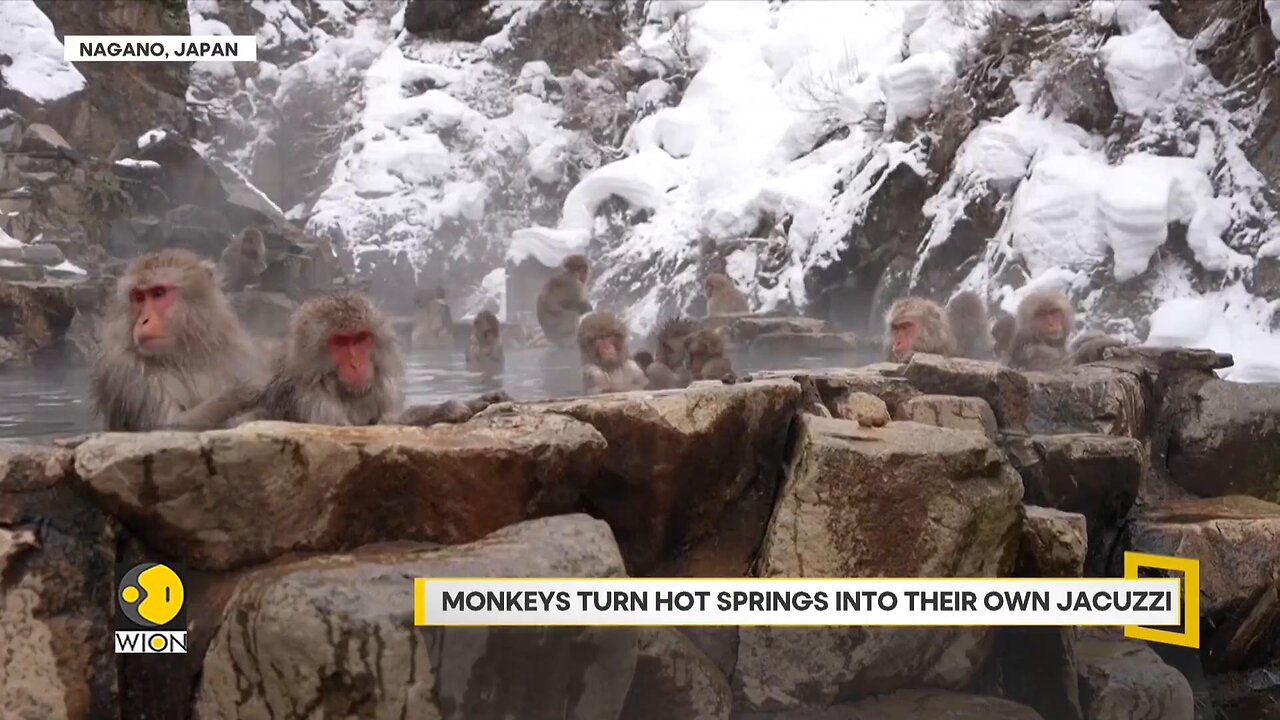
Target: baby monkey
pixel 602 341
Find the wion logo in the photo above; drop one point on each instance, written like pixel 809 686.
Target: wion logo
pixel 151 616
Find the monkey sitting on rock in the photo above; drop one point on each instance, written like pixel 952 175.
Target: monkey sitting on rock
pixel 707 359
pixel 606 368
pixel 723 297
pixel 1043 323
pixel 243 260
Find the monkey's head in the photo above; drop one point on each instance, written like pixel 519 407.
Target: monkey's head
pixel 578 267
pixel 716 282
pixel 1048 315
pixel 602 339
pixel 704 344
pixel 486 327
pixel 912 323
pixel 344 342
pixel 252 244
pixel 162 292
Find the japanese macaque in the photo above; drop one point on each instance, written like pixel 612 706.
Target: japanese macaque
pixel 917 325
pixel 723 297
pixel 707 359
pixel 243 260
pixel 1002 333
pixel 172 353
pixel 670 369
pixel 1043 324
pixel 967 313
pixel 484 349
pixel 602 340
pixel 340 366
pixel 433 327
pixel 563 301
pixel 1088 347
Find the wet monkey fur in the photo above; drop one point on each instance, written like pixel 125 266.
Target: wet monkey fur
pixel 670 369
pixel 1044 322
pixel 707 358
pixel 602 342
pixel 340 366
pixel 484 349
pixel 172 353
pixel 563 300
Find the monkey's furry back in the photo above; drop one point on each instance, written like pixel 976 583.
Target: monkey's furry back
pixel 967 313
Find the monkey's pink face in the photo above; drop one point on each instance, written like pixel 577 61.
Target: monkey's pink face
pixel 151 306
pixel 606 349
pixel 353 355
pixel 902 335
pixel 1050 324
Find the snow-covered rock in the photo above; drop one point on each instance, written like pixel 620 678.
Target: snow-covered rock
pixel 36 68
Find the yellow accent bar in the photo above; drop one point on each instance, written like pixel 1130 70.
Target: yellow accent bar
pixel 1190 569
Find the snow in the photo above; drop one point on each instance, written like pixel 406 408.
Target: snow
pixel 151 137
pixel 68 266
pixel 490 295
pixel 1273 12
pixel 141 164
pixel 1229 321
pixel 548 246
pixel 37 68
pixel 911 85
pixel 7 240
pixel 1149 67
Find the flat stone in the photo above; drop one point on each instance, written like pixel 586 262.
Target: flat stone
pixel 1087 399
pixel 1122 679
pixel 911 705
pixel 1053 544
pixel 1006 391
pixel 863 408
pixel 1226 441
pixel 950 411
pixel 228 498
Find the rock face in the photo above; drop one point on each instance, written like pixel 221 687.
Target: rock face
pixel 1097 476
pixel 1005 390
pixel 1236 539
pixel 57 552
pixel 228 498
pixel 950 411
pixel 341 625
pixel 1122 679
pixel 33 316
pixel 863 408
pixel 677 460
pixel 1228 442
pixel 913 705
pixel 1087 399
pixel 1053 544
pixel 852 496
pixel 675 680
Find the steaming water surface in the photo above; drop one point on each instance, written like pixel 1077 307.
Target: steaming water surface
pixel 49 399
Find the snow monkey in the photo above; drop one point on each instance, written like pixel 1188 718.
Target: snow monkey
pixel 484 349
pixel 1002 333
pixel 243 260
pixel 602 340
pixel 340 366
pixel 723 297
pixel 967 313
pixel 172 353
pixel 563 301
pixel 917 325
pixel 434 325
pixel 1044 322
pixel 670 369
pixel 707 359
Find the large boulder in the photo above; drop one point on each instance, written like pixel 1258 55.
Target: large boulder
pixel 1237 541
pixel 1087 399
pixel 833 385
pixel 677 460
pixel 851 497
pixel 1122 679
pixel 1227 441
pixel 228 498
pixel 1038 667
pixel 1006 391
pixel 35 315
pixel 337 632
pixel 57 552
pixel 1097 476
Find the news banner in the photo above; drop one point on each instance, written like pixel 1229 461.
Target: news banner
pixel 1141 605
